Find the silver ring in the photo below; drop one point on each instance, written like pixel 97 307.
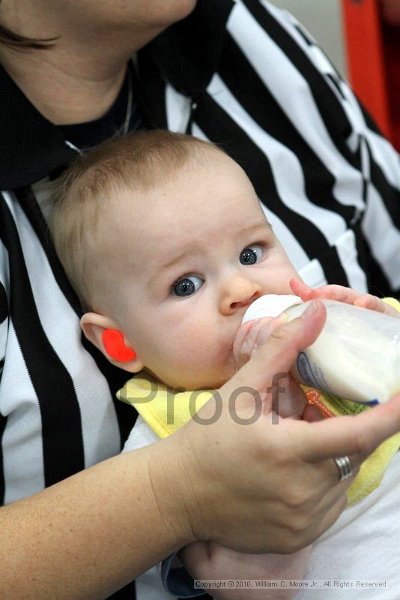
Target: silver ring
pixel 344 465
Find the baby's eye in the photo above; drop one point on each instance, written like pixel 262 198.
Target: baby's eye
pixel 187 286
pixel 251 255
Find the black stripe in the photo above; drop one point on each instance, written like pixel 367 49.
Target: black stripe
pixel 333 268
pixel 257 101
pixel 330 109
pixel 304 34
pixel 3 419
pixel 61 423
pixel 3 304
pixel 220 128
pixel 126 593
pixel 3 423
pixel 377 282
pixel 202 597
pixel 336 84
pixel 151 92
pixel 389 195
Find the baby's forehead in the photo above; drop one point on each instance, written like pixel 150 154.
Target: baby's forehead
pixel 185 192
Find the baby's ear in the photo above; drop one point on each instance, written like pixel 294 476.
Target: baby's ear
pixel 104 333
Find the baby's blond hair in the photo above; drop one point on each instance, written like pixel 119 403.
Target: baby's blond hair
pixel 138 162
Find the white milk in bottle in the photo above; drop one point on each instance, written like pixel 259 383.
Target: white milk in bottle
pixel 356 355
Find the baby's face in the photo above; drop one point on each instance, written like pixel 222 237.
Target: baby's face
pixel 191 257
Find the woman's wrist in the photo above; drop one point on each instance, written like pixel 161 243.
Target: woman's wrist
pixel 175 489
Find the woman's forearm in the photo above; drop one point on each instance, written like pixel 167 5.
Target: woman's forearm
pixel 91 534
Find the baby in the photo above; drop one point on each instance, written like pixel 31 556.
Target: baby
pixel 164 239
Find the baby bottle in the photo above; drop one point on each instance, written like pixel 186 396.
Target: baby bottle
pixel 356 355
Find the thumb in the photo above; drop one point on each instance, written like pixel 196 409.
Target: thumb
pixel 274 359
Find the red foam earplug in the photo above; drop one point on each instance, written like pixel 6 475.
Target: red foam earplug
pixel 114 345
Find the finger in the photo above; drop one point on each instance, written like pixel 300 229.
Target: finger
pixel 239 342
pixel 355 436
pixel 312 414
pixel 371 302
pixel 336 292
pixel 279 353
pixel 301 289
pixel 374 303
pixel 327 292
pixel 264 328
pixel 252 334
pixel 291 401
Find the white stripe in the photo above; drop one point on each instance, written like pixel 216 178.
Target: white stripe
pixel 313 274
pixel 5 281
pixel 3 338
pixel 22 443
pixel 297 256
pixel 178 108
pixel 149 587
pixel 347 252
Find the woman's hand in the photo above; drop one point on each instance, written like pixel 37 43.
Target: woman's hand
pixel 254 482
pixel 342 294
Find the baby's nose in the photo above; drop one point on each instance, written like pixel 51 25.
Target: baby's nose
pixel 239 294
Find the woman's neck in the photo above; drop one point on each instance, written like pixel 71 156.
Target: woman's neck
pixel 61 93
pixel 77 78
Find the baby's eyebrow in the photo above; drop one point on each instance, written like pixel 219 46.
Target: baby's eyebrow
pixel 168 264
pixel 176 259
pixel 262 225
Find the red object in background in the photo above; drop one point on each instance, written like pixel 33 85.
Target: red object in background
pixel 391 50
pixel 373 52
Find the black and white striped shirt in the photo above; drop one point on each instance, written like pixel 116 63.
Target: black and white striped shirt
pixel 247 76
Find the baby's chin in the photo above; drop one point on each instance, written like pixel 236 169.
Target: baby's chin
pixel 195 382
pixel 212 374
pixel 207 381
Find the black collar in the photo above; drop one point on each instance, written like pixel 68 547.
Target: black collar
pixel 30 146
pixel 188 53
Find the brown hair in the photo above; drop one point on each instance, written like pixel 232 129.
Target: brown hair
pixel 138 161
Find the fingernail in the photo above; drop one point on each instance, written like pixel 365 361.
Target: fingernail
pixel 311 308
pixel 281 319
